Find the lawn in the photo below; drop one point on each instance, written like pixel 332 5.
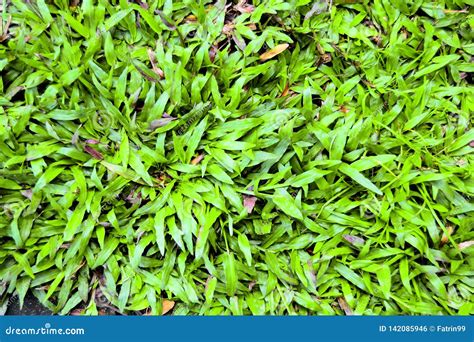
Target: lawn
pixel 237 158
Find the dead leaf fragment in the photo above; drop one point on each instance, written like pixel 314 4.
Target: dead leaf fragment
pixel 273 52
pixel 354 240
pixel 239 42
pixel 249 203
pixel 152 58
pixel 344 306
pixel 160 122
pixel 167 306
pixel 285 90
pixel 252 26
pixel 243 7
pixel 28 193
pixel 197 159
pixel 228 29
pixel 466 244
pixel 94 153
pixel 445 237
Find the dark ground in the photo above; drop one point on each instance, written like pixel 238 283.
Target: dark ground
pixel 31 307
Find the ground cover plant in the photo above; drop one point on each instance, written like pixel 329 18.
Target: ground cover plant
pixel 212 157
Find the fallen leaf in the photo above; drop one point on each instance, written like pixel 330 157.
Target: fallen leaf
pixel 344 306
pixel 285 90
pixel 249 203
pixel 273 52
pixel 239 42
pixel 445 238
pixel 213 52
pixel 466 244
pixel 252 26
pixel 152 58
pixel 228 28
pixel 167 305
pixel 243 7
pixel 197 159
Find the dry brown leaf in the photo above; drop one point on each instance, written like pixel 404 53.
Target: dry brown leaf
pixel 152 58
pixel 243 7
pixel 228 29
pixel 93 152
pixel 466 244
pixel 160 123
pixel 273 52
pixel 213 52
pixel 445 238
pixel 167 305
pixel 344 306
pixel 28 193
pixel 252 26
pixel 198 159
pixel 239 42
pixel 285 91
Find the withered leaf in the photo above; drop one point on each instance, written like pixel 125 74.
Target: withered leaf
pixel 354 240
pixel 197 159
pixel 249 203
pixel 243 7
pixel 168 305
pixel 160 122
pixel 273 52
pixel 466 244
pixel 344 306
pixel 445 237
pixel 93 152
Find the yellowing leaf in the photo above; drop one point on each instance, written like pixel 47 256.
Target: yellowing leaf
pixel 273 52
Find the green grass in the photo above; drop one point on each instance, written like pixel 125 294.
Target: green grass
pixel 299 157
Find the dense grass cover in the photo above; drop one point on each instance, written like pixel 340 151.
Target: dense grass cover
pixel 265 157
